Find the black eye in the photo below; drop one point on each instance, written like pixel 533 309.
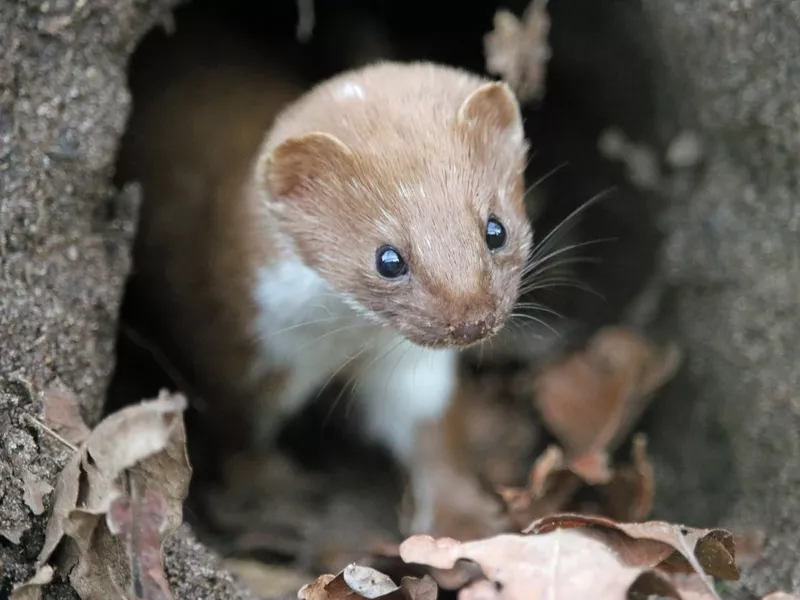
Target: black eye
pixel 389 263
pixel 495 234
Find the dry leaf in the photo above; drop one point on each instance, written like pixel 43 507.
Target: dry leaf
pixel 32 589
pixel 591 400
pixel 34 490
pixel 671 548
pixel 141 447
pixel 592 467
pixel 561 565
pixel 554 482
pixel 629 495
pixel 781 596
pixel 517 50
pixel 62 414
pixel 140 523
pixel 550 489
pixel 356 582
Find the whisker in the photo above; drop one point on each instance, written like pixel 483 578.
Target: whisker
pixel 555 282
pixel 335 403
pixel 303 324
pixel 553 233
pixel 327 333
pixel 357 377
pixel 545 177
pixel 536 320
pixel 532 265
pixel 540 308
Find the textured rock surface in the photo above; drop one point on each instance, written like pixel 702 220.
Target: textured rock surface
pixel 730 434
pixel 64 240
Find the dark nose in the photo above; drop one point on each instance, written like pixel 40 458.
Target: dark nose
pixel 472 331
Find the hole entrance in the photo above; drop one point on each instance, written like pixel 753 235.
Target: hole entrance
pixel 599 76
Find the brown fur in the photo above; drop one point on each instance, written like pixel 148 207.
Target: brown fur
pixel 419 163
pixel 191 139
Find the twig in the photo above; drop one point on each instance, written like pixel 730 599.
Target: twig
pixel 52 433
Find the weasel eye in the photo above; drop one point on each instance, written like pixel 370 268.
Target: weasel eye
pixel 495 234
pixel 389 263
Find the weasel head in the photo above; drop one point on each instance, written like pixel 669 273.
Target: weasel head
pixel 417 220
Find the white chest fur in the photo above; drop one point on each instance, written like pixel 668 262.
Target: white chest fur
pixel 307 330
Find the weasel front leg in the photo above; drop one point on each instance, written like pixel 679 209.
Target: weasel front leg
pixel 410 405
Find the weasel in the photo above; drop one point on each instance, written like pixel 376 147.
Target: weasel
pixel 372 228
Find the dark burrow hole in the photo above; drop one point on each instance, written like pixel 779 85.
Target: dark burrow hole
pixel 599 76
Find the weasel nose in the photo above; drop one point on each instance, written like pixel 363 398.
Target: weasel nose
pixel 472 331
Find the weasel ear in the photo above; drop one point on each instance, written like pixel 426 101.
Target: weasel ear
pixel 492 111
pixel 296 165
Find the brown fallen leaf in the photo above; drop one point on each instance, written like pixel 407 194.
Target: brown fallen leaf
pixel 517 50
pixel 139 522
pixel 62 414
pixel 591 400
pixel 561 565
pixel 357 582
pixel 670 548
pixel 32 589
pixel 550 489
pixel 554 483
pixel 34 491
pixel 628 497
pixel 140 449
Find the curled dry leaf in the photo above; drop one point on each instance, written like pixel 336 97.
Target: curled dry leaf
pixel 629 495
pixel 357 582
pixel 142 447
pixel 550 489
pixel 517 50
pixel 554 482
pixel 591 400
pixel 32 589
pixel 560 565
pixel 671 548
